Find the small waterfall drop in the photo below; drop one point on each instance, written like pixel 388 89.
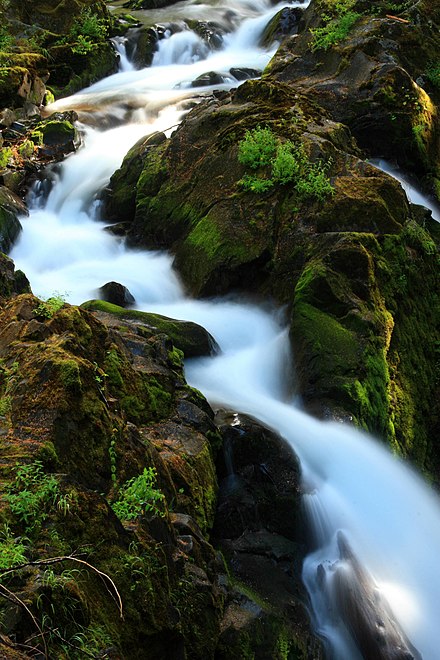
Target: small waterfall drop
pixel 409 185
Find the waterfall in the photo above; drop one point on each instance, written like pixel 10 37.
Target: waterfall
pixel 353 485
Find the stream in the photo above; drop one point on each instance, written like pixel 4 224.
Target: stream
pixel 351 482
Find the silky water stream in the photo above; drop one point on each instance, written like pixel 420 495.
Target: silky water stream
pixel 352 484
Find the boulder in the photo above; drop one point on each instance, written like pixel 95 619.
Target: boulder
pixel 258 528
pixel 188 337
pixel 363 609
pixel 116 293
pixel 367 79
pixel 85 410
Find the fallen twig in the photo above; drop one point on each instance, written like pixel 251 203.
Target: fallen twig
pixel 396 18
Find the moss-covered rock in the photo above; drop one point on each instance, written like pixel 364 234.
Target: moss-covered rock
pixel 84 410
pixel 188 337
pixel 373 80
pixel 323 258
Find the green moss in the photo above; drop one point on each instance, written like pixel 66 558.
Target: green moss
pixel 160 399
pixel 70 375
pixel 55 131
pixel 112 366
pixel 5 157
pixel 26 149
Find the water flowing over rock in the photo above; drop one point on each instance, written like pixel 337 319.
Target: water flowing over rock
pixel 300 251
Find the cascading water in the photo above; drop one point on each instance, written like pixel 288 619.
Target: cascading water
pixel 389 517
pixel 409 185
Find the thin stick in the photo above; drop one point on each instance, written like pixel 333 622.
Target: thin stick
pixel 55 560
pixel 396 18
pixel 4 591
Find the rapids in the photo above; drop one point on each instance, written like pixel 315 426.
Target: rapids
pixel 351 482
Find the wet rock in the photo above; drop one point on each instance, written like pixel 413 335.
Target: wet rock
pixel 57 135
pixel 367 81
pixel 11 207
pixel 243 73
pixel 116 293
pixel 284 23
pixel 187 336
pixel 209 78
pixel 12 282
pixel 364 610
pixel 258 528
pixel 142 44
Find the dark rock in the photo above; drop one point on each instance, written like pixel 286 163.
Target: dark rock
pixel 244 73
pixel 367 81
pixel 365 612
pixel 187 336
pixel 116 293
pixel 209 78
pixel 284 23
pixel 11 207
pixel 258 528
pixel 12 282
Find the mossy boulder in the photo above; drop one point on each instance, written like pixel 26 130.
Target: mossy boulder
pixel 84 410
pixel 323 258
pixel 64 41
pixel 373 80
pixel 188 337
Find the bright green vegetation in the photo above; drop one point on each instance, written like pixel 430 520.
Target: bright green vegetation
pixel 12 550
pixel 5 156
pixel 287 162
pixel 47 308
pixel 6 40
pixel 85 32
pixel 335 31
pixel 33 494
pixel 139 495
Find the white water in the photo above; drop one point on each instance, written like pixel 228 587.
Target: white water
pixel 390 517
pixel 413 192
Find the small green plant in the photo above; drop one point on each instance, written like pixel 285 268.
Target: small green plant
pixel 112 455
pixel 258 148
pixel 6 40
pixel 281 164
pixel 12 550
pixel 86 32
pixel 139 495
pixel 47 308
pixel 334 32
pixel 33 494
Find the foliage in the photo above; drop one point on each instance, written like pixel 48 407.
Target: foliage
pixel 417 237
pixel 5 156
pixel 33 494
pixel 85 32
pixel 258 148
pixel 288 163
pixel 139 495
pixel 433 73
pixel 12 550
pixel 47 308
pixel 334 32
pixel 6 40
